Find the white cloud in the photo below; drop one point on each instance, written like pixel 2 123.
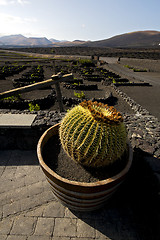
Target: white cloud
pixel 12 2
pixel 3 2
pixel 7 18
pixel 10 24
pixel 32 20
pixel 22 2
pixel 83 25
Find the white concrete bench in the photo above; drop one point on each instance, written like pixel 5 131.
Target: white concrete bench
pixel 16 120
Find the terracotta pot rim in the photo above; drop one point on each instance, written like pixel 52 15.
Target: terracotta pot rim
pixel 121 174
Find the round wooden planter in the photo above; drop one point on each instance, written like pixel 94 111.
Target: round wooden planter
pixel 75 195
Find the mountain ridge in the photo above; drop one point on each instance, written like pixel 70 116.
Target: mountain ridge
pixel 131 39
pixel 148 38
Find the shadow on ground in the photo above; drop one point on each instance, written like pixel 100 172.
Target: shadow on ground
pixel 14 158
pixel 133 212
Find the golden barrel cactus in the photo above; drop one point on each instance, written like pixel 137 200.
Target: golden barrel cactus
pixel 93 134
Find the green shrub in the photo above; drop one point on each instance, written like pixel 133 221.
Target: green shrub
pixel 13 98
pixel 127 66
pixel 135 69
pixel 79 95
pixel 33 107
pixel 86 63
pixel 139 70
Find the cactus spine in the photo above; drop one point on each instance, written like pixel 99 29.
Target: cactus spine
pixel 93 134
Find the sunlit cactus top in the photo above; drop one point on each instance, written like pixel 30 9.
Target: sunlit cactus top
pixel 93 134
pixel 102 112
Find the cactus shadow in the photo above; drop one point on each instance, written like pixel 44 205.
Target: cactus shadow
pixel 132 212
pixel 111 101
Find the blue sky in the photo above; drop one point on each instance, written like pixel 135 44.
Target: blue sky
pixel 77 19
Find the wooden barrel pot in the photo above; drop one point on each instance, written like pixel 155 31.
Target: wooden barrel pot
pixel 80 196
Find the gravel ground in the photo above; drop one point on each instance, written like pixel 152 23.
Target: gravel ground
pixel 147 96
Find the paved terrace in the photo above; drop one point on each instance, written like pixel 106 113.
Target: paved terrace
pixel 29 210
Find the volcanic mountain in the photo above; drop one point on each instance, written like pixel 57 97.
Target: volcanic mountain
pixel 133 39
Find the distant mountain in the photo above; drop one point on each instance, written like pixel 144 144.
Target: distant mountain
pixel 54 40
pixel 14 40
pixel 20 40
pixel 39 41
pixel 78 41
pixel 69 43
pixel 128 40
pixel 133 39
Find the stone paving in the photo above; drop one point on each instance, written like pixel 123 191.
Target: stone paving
pixel 29 210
